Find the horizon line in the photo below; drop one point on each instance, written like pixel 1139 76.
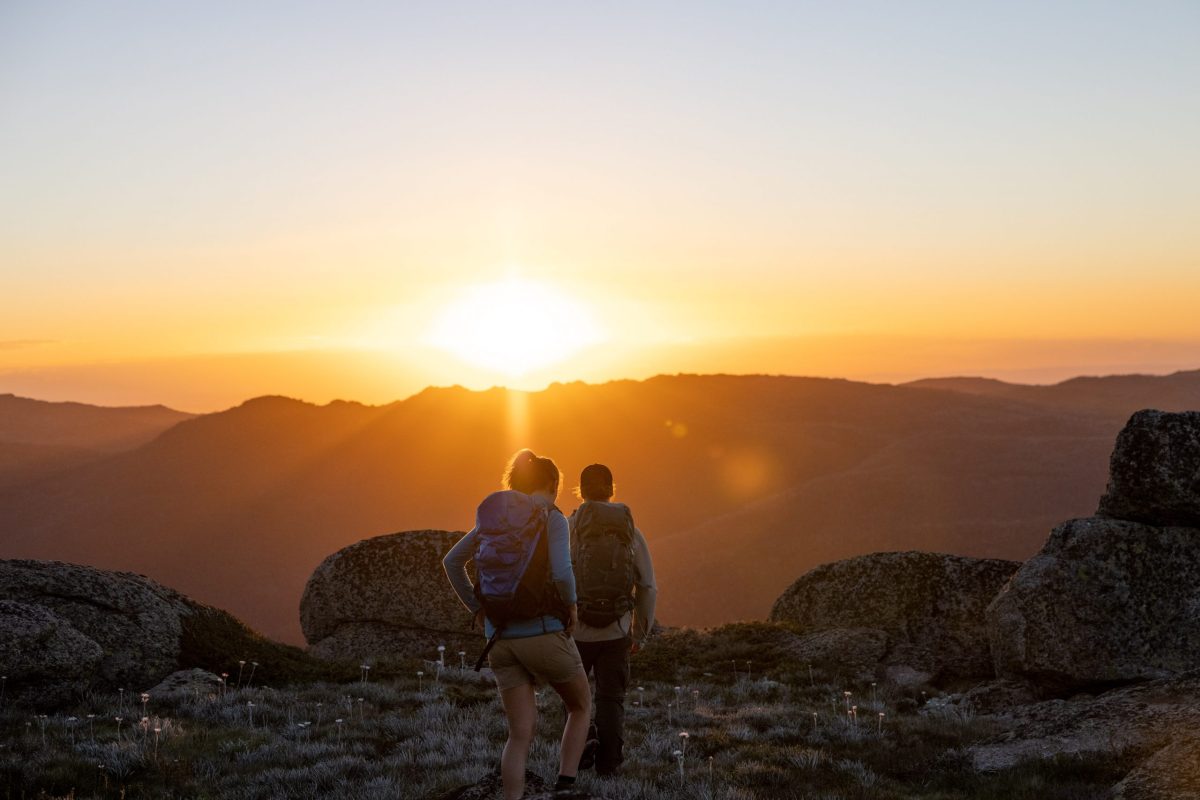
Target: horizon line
pixel 553 384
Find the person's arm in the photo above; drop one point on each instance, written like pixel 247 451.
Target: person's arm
pixel 455 564
pixel 559 542
pixel 645 589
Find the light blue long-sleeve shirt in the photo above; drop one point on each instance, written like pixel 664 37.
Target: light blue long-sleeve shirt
pixel 559 542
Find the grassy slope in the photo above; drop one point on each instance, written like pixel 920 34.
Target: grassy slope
pixel 408 736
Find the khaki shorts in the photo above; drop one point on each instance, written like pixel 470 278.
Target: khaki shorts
pixel 546 658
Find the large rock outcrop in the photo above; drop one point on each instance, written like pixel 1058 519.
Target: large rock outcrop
pixel 1116 597
pixel 68 627
pixel 386 597
pixel 1170 774
pixel 1154 473
pixel 1140 718
pixel 928 608
pixel 41 651
pixel 1105 601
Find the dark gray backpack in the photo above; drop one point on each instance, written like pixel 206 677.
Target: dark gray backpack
pixel 603 555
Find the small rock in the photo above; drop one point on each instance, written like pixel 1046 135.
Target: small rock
pixel 186 683
pixel 993 697
pixel 905 676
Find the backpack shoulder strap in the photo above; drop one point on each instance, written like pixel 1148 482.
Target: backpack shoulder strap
pixel 487 648
pixel 578 519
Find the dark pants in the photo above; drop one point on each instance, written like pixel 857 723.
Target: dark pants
pixel 610 662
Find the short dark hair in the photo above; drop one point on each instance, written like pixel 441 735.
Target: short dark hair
pixel 595 483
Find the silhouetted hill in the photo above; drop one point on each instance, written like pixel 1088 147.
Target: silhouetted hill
pixel 984 386
pixel 740 483
pixel 38 437
pixel 79 425
pixel 1116 395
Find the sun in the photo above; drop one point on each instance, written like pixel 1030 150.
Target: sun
pixel 513 326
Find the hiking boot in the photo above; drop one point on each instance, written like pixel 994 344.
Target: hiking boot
pixel 567 790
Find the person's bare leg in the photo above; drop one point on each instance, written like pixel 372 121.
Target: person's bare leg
pixel 576 695
pixel 520 708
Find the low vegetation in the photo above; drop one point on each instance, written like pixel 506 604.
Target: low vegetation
pixel 417 730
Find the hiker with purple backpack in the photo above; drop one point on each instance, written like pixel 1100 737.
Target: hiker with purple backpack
pixel 525 600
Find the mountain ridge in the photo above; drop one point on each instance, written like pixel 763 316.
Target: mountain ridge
pixel 40 437
pixel 740 482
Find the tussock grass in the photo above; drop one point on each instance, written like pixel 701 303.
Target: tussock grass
pixel 750 738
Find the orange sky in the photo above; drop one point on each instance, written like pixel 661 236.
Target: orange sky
pixel 207 202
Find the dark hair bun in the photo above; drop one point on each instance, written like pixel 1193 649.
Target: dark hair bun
pixel 527 472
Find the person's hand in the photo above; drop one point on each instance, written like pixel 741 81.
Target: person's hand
pixel 572 620
pixel 634 647
pixel 477 621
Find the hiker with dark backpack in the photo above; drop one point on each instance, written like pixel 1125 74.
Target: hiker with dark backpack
pixel 524 598
pixel 615 584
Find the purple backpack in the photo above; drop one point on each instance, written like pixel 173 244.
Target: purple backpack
pixel 512 561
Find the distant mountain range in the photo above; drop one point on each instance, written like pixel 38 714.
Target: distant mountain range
pixel 741 483
pixel 38 438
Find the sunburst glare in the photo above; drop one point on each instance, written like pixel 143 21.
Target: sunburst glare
pixel 514 326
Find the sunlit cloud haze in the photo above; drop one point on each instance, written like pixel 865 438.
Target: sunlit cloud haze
pixel 204 201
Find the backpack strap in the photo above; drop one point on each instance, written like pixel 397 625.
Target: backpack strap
pixel 572 524
pixel 487 648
